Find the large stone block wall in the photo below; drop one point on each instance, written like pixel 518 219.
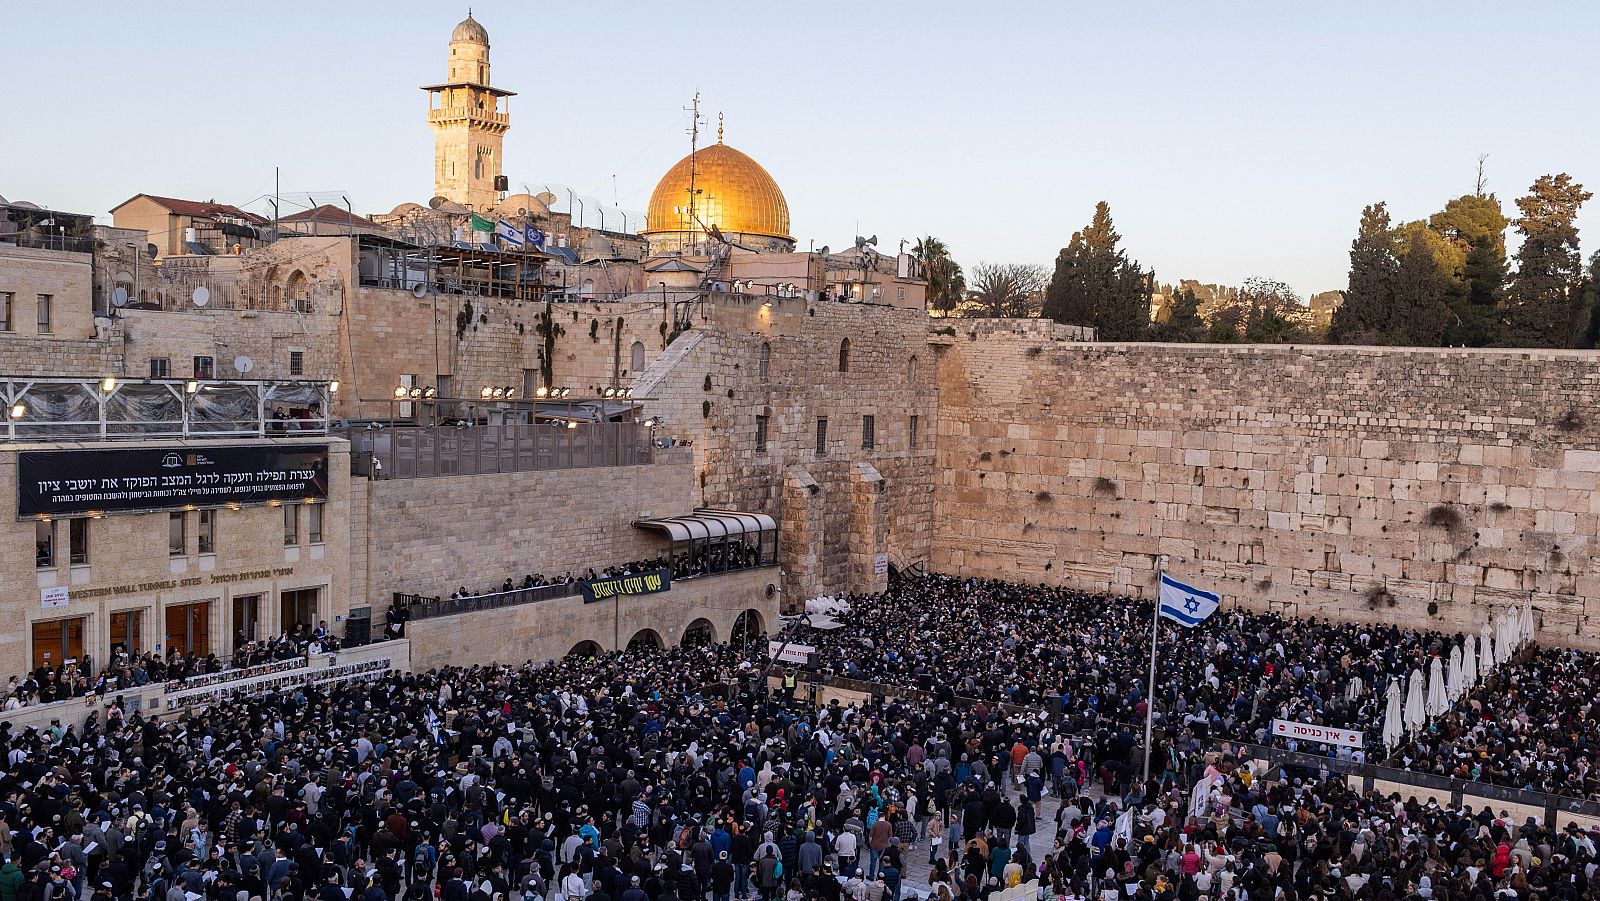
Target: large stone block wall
pixel 550 629
pixel 815 496
pixel 430 536
pixel 1356 483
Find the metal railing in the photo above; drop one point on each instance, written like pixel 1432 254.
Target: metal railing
pixel 431 451
pixel 1458 791
pixel 56 409
pixel 424 607
pixel 43 241
pixel 475 603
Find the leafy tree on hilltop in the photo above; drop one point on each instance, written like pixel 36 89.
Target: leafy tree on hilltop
pixel 1542 304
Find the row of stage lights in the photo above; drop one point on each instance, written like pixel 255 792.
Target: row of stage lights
pixel 506 392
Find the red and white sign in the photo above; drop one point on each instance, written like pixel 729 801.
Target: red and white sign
pixel 1328 735
pixel 790 653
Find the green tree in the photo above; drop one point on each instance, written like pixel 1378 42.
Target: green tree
pixel 1183 324
pixel 1095 284
pixel 1542 303
pixel 1591 304
pixel 1476 225
pixel 947 284
pixel 1273 312
pixel 1007 290
pixel 1363 318
pixel 1421 312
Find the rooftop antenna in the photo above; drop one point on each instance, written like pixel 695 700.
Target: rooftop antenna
pixel 694 145
pixel 1481 184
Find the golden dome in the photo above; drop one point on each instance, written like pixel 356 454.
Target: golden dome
pixel 733 193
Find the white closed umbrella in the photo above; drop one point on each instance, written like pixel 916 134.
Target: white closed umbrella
pixel 1416 706
pixel 1392 726
pixel 1504 641
pixel 1469 667
pixel 1355 689
pixel 1486 659
pixel 1438 702
pixel 1525 622
pixel 1453 688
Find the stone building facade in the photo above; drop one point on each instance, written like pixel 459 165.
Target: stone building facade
pixel 144 582
pixel 819 413
pixel 1353 483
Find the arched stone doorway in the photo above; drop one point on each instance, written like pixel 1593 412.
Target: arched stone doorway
pixel 747 628
pixel 699 634
pixel 584 649
pixel 643 639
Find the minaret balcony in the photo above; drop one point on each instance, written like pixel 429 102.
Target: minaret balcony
pixel 470 115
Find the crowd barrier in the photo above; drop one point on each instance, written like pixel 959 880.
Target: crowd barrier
pixel 1552 809
pixel 163 699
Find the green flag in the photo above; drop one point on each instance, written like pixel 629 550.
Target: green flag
pixel 480 224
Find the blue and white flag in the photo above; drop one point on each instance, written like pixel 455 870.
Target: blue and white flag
pixel 534 236
pixel 510 233
pixel 1184 604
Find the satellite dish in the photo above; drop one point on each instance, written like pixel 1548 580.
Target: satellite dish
pixel 545 197
pixel 152 251
pixel 243 364
pixel 420 290
pixel 824 250
pixel 119 297
pixel 201 296
pixel 438 201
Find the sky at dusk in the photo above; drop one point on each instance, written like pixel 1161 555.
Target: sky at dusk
pixel 1231 140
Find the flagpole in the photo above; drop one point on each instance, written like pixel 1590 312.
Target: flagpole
pixel 1150 698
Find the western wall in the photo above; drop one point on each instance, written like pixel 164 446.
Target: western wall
pixel 1411 486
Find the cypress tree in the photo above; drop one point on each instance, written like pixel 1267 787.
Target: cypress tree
pixel 1542 302
pixel 1363 318
pixel 1420 312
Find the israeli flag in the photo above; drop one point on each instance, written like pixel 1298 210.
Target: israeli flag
pixel 510 233
pixel 1184 604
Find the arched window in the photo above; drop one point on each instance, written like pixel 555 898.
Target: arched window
pixel 299 292
pixel 638 356
pixel 844 355
pixel 764 362
pixel 911 371
pixel 587 290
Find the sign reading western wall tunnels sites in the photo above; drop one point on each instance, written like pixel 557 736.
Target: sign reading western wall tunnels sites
pixel 638 583
pixel 60 483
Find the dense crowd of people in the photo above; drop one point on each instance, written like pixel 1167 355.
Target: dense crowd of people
pixel 676 775
pixel 1085 657
pixel 1533 725
pixel 77 678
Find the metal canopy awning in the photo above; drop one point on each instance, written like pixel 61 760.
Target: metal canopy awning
pixel 707 523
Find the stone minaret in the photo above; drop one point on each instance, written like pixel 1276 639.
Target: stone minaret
pixel 469 121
